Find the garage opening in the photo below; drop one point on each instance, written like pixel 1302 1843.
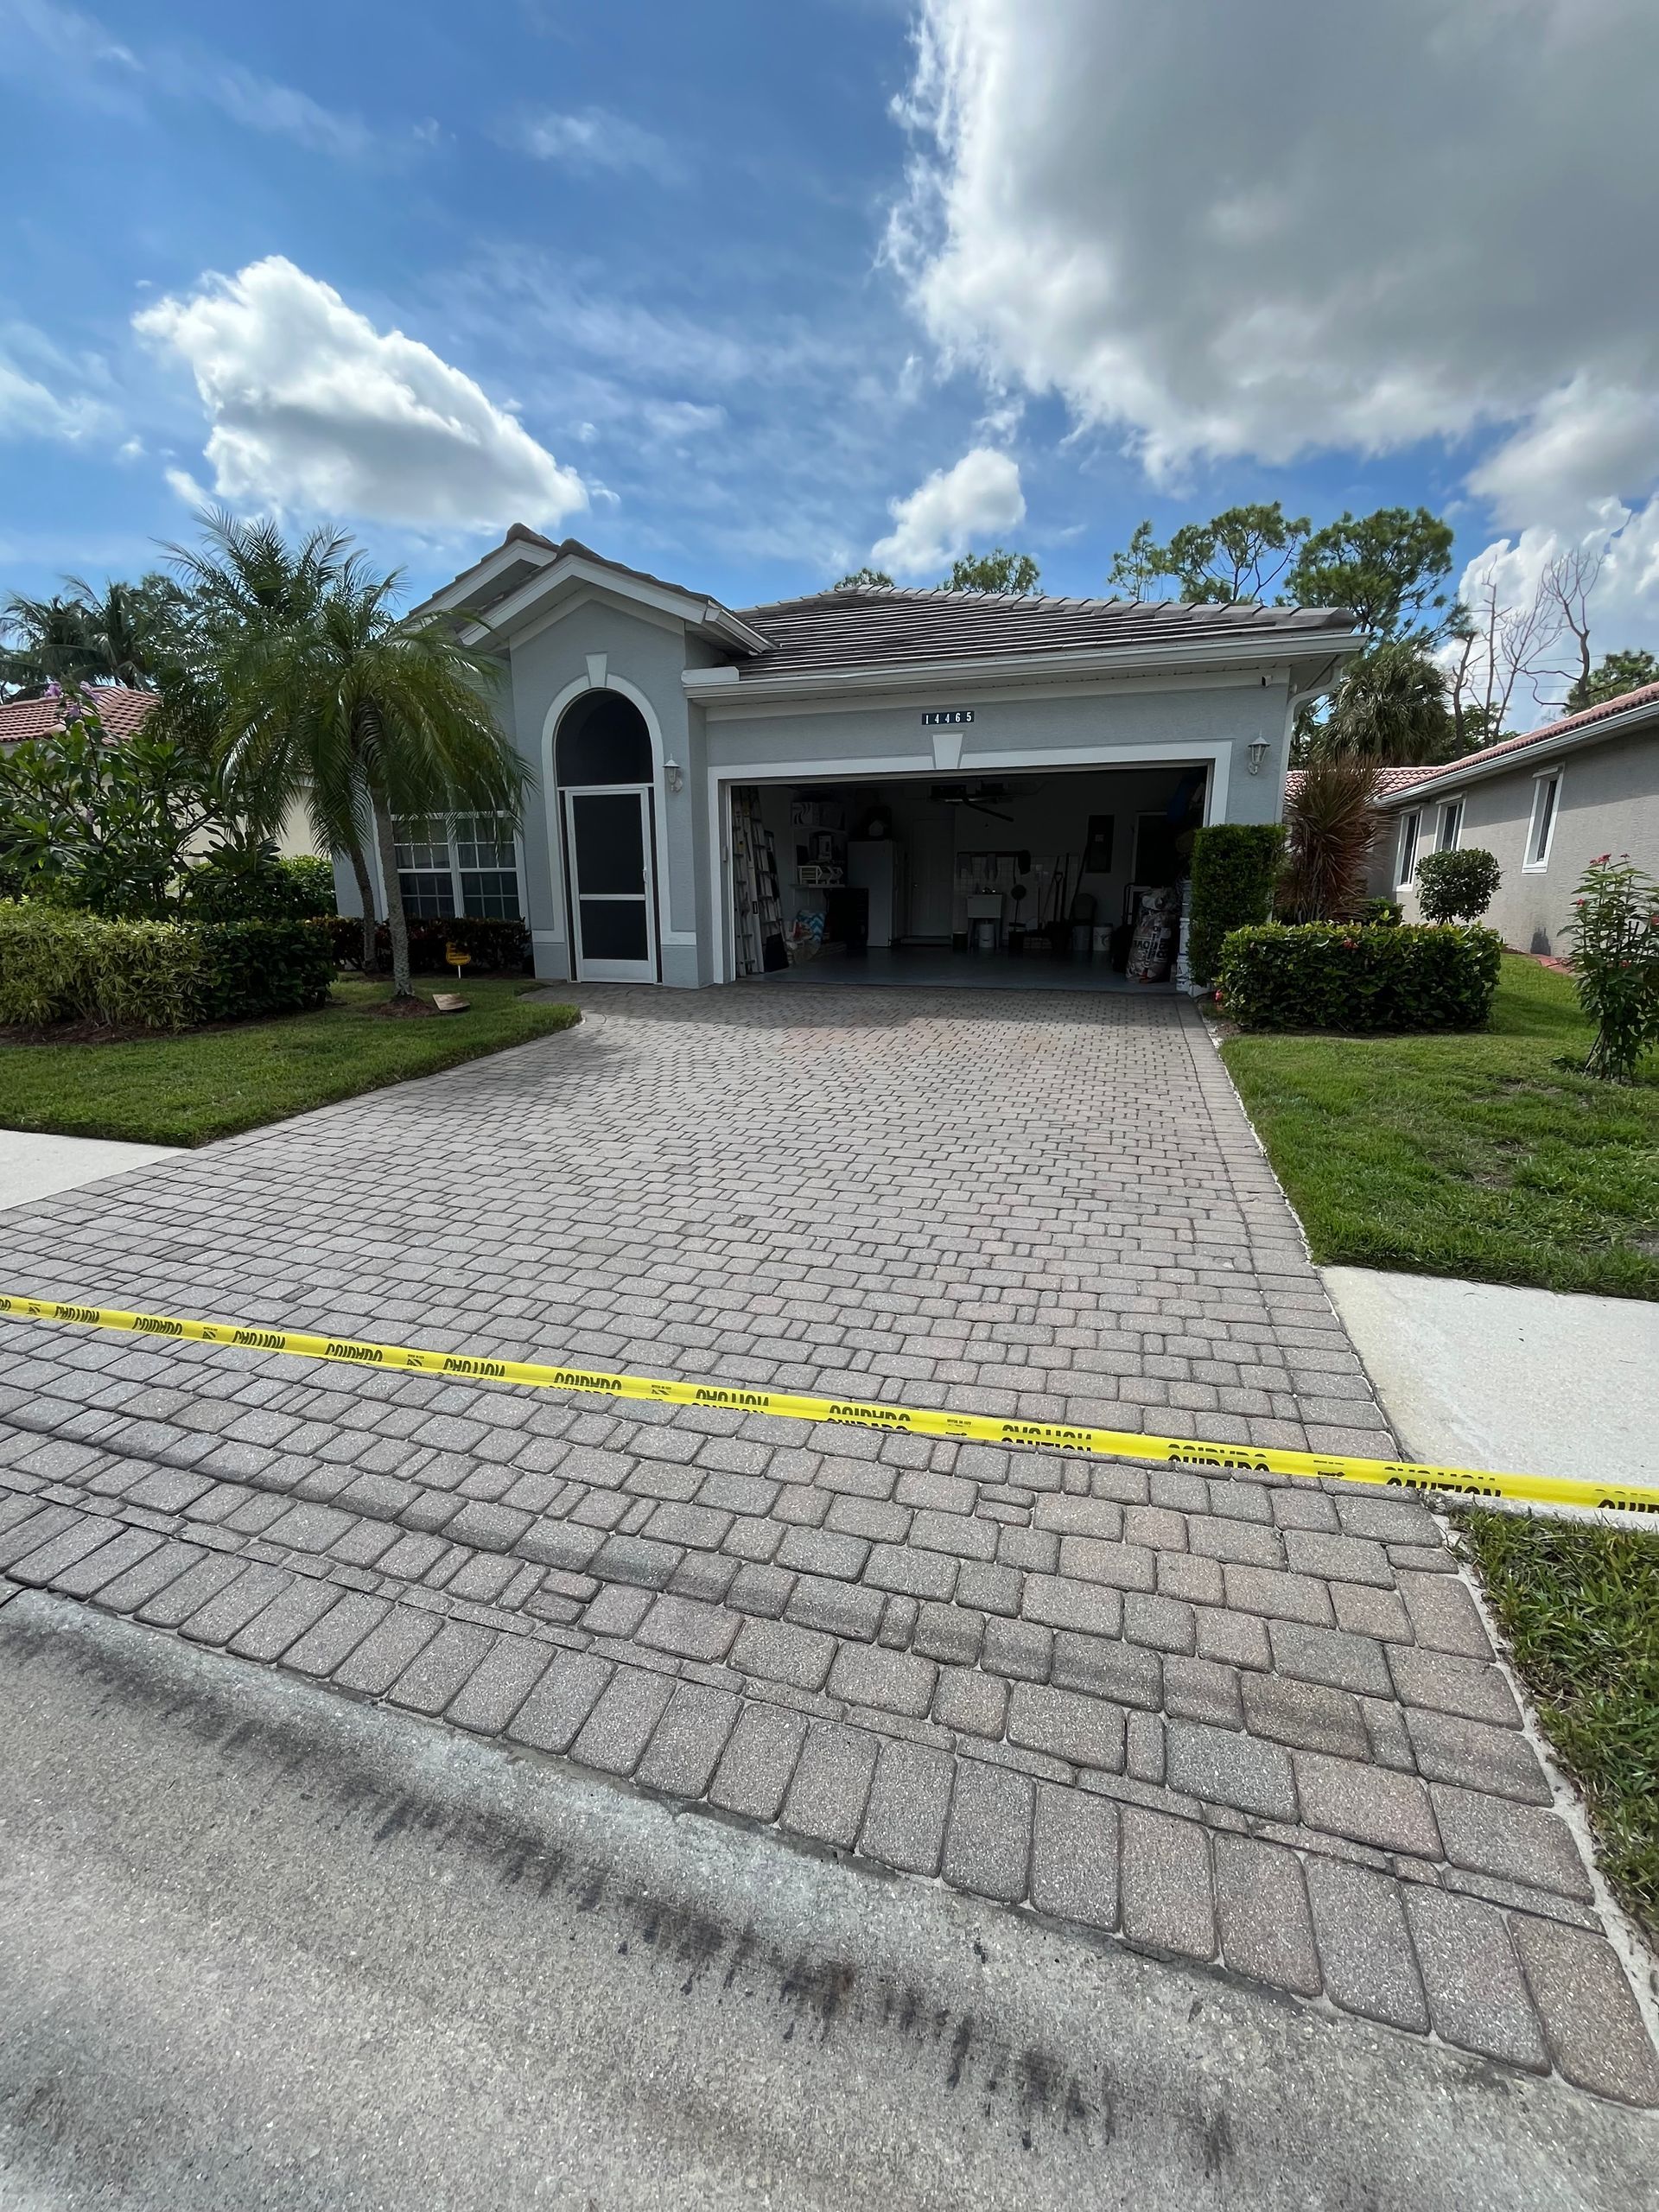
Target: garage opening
pixel 1063 878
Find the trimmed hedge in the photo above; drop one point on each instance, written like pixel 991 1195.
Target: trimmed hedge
pixel 1333 975
pixel 250 968
pixel 58 964
pixel 501 945
pixel 1235 867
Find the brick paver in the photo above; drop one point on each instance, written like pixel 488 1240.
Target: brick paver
pixel 1238 1721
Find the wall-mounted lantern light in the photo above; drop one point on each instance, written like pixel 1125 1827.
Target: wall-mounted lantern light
pixel 1258 749
pixel 671 772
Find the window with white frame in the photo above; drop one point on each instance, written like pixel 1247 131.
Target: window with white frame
pixel 1410 827
pixel 469 865
pixel 1451 826
pixel 1545 805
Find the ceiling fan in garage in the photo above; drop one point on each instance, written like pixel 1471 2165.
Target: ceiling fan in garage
pixel 973 796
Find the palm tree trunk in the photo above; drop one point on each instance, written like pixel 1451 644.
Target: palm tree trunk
pixel 397 926
pixel 365 900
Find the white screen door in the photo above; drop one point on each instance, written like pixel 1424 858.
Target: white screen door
pixel 607 844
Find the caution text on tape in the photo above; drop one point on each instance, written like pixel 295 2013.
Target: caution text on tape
pixel 910 1420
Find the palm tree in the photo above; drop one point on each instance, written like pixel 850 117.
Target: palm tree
pixel 243 589
pixel 363 711
pixel 1390 708
pixel 48 641
pixel 130 628
pixel 1331 826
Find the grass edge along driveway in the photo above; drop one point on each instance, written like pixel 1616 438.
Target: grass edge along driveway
pixel 1472 1155
pixel 1578 1607
pixel 215 1082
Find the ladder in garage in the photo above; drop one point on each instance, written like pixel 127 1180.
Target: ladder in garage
pixel 758 909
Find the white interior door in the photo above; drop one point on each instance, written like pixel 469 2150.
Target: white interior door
pixel 607 844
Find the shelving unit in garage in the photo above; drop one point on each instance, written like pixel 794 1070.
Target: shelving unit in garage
pixel 759 912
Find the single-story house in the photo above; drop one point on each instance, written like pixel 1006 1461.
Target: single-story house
pixel 914 772
pixel 1545 805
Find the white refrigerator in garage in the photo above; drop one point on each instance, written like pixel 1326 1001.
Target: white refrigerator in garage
pixel 877 865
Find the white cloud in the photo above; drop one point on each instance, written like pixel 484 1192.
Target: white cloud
pixel 278 110
pixel 39 38
pixel 313 408
pixel 29 408
pixel 1623 604
pixel 941 517
pixel 593 138
pixel 1220 230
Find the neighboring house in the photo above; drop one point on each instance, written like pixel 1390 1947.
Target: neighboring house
pixel 1545 805
pixel 121 711
pixel 913 751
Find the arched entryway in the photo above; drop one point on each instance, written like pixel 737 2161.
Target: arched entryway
pixel 603 768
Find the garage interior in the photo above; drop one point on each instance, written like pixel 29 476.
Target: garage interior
pixel 1000 880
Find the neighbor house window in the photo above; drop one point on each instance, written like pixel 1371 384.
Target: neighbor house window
pixel 1451 826
pixel 1545 804
pixel 466 866
pixel 1409 829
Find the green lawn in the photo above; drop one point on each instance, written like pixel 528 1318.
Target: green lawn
pixel 1466 1156
pixel 1579 1605
pixel 212 1083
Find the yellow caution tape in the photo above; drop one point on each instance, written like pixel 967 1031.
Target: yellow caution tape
pixel 900 1421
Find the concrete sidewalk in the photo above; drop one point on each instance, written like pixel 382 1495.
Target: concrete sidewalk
pixel 36 1167
pixel 268 1948
pixel 1521 1382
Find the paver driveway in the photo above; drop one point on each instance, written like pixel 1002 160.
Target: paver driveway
pixel 1235 1720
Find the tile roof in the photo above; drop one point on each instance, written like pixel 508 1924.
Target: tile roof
pixel 120 709
pixel 1627 703
pixel 1388 780
pixel 873 626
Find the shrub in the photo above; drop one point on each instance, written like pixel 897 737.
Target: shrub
pixel 1456 886
pixel 251 883
pixel 1615 938
pixel 311 886
pixel 59 965
pixel 1329 976
pixel 493 945
pixel 1235 866
pixel 146 975
pixel 253 968
pixel 48 958
pixel 1381 913
pixel 1332 824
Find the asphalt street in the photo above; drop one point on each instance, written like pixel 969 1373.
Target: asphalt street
pixel 265 1947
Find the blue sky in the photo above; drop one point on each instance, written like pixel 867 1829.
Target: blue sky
pixel 720 289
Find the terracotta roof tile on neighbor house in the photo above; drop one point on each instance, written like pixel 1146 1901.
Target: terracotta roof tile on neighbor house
pixel 1626 702
pixel 1388 780
pixel 873 626
pixel 120 709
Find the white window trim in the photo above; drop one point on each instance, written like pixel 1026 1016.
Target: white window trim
pixel 1558 777
pixel 1411 833
pixel 456 895
pixel 1454 808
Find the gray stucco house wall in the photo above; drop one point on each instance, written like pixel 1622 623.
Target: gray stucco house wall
pixel 860 690
pixel 1544 806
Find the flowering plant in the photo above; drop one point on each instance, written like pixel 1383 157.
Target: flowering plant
pixel 1615 935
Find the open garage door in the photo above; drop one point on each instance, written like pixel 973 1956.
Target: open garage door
pixel 1008 879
